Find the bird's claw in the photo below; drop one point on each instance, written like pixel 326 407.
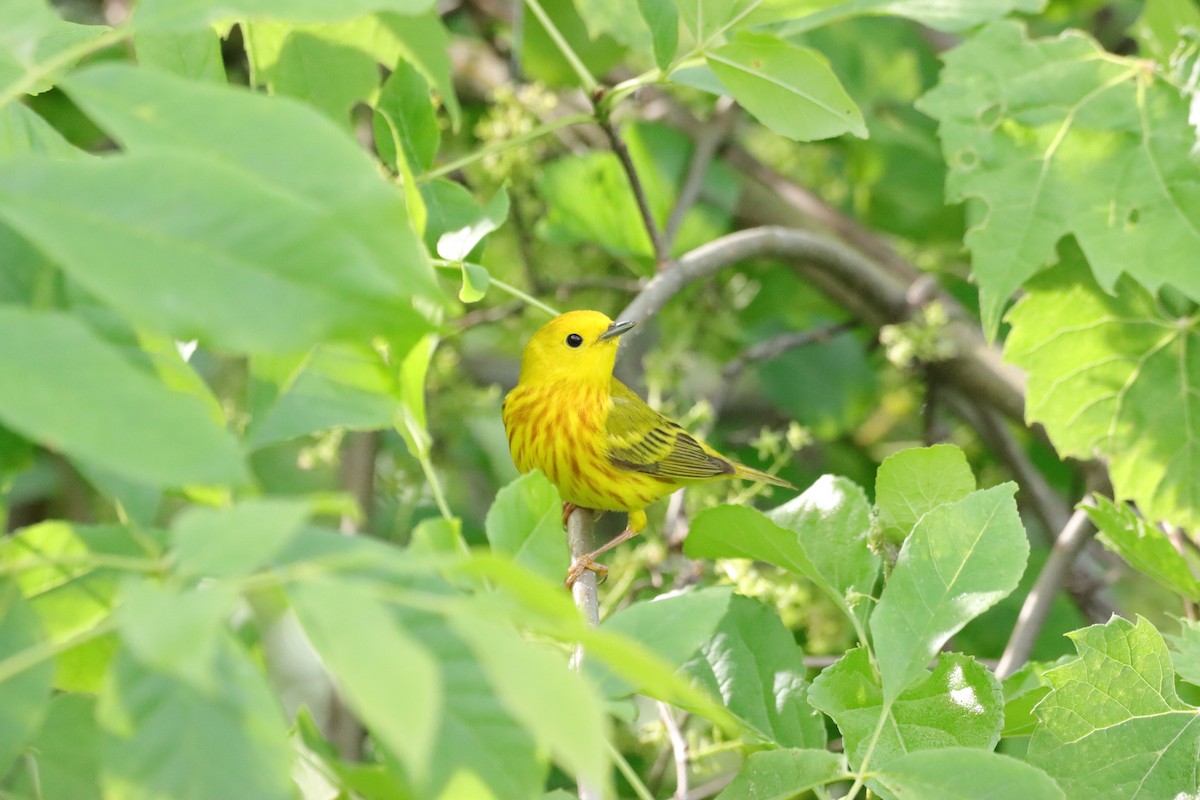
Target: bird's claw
pixel 568 510
pixel 581 565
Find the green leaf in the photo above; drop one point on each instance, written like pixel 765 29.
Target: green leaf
pixel 33 37
pixel 191 14
pixel 1114 376
pixel 1163 26
pixel 165 738
pixel 753 664
pixel 590 201
pixel 457 244
pixel 1023 690
pixel 673 627
pixel 957 705
pixel 707 18
pixel 23 131
pixel 1145 547
pixel 1113 725
pixel 822 534
pixel 942 15
pixel 662 18
pixel 223 542
pixel 189 54
pixel 25 695
pixel 405 102
pixel 525 523
pixel 1054 158
pixel 620 19
pixel 913 482
pixel 354 633
pixel 789 89
pixel 70 391
pixel 311 63
pixel 961 559
pixel 956 773
pixel 1185 650
pixel 535 685
pixel 63 759
pixel 176 632
pixel 322 167
pixel 784 774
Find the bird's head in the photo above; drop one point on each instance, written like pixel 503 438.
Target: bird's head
pixel 578 345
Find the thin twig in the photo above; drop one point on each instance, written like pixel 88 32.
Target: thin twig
pixel 1070 541
pixel 579 539
pixel 679 747
pixel 712 135
pixel 768 349
pixel 661 255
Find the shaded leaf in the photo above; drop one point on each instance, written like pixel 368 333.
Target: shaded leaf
pixel 784 774
pixel 525 523
pixel 25 694
pixel 221 542
pixel 1145 547
pixel 956 773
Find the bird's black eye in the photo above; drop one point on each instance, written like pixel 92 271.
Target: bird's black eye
pixel 574 340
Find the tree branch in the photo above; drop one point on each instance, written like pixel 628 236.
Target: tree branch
pixel 1070 542
pixel 579 539
pixel 661 256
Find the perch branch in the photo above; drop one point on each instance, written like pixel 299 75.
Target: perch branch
pixel 579 539
pixel 1074 536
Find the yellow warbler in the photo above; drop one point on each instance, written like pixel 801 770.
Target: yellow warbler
pixel 593 437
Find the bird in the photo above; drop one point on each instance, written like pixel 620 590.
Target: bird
pixel 594 438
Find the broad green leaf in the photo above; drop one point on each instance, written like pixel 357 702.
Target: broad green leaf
pixel 822 534
pixel 457 244
pixel 405 105
pixel 176 632
pixel 913 482
pixel 753 664
pixel 155 236
pixel 536 685
pixel 437 536
pixel 310 63
pixel 348 386
pixel 673 627
pixel 1101 151
pixel 1144 546
pixel 355 633
pixel 1185 650
pixel 322 167
pixel 165 738
pixel 1115 376
pixel 33 39
pixel 222 542
pixel 1023 690
pixel 424 42
pixel 63 759
pixel 957 773
pixel 1113 725
pixel 71 392
pixel 662 19
pixel 525 523
pixel 590 201
pixel 24 695
pixel 706 19
pixel 65 570
pixel 190 54
pixel 191 14
pixel 484 735
pixel 957 705
pixel 789 89
pixel 960 560
pixel 784 774
pixel 620 19
pixel 1163 25
pixel 942 15
pixel 23 131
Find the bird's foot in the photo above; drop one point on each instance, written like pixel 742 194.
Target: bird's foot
pixel 568 509
pixel 581 565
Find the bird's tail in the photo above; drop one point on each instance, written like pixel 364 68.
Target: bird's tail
pixel 751 474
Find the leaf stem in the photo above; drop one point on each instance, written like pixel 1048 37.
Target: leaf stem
pixel 500 147
pixel 634 779
pixel 586 79
pixel 861 773
pixel 46 650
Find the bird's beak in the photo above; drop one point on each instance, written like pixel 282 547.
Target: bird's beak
pixel 615 330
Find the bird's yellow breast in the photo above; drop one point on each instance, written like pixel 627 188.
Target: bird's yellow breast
pixel 560 430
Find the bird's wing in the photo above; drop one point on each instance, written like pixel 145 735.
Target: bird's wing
pixel 640 439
